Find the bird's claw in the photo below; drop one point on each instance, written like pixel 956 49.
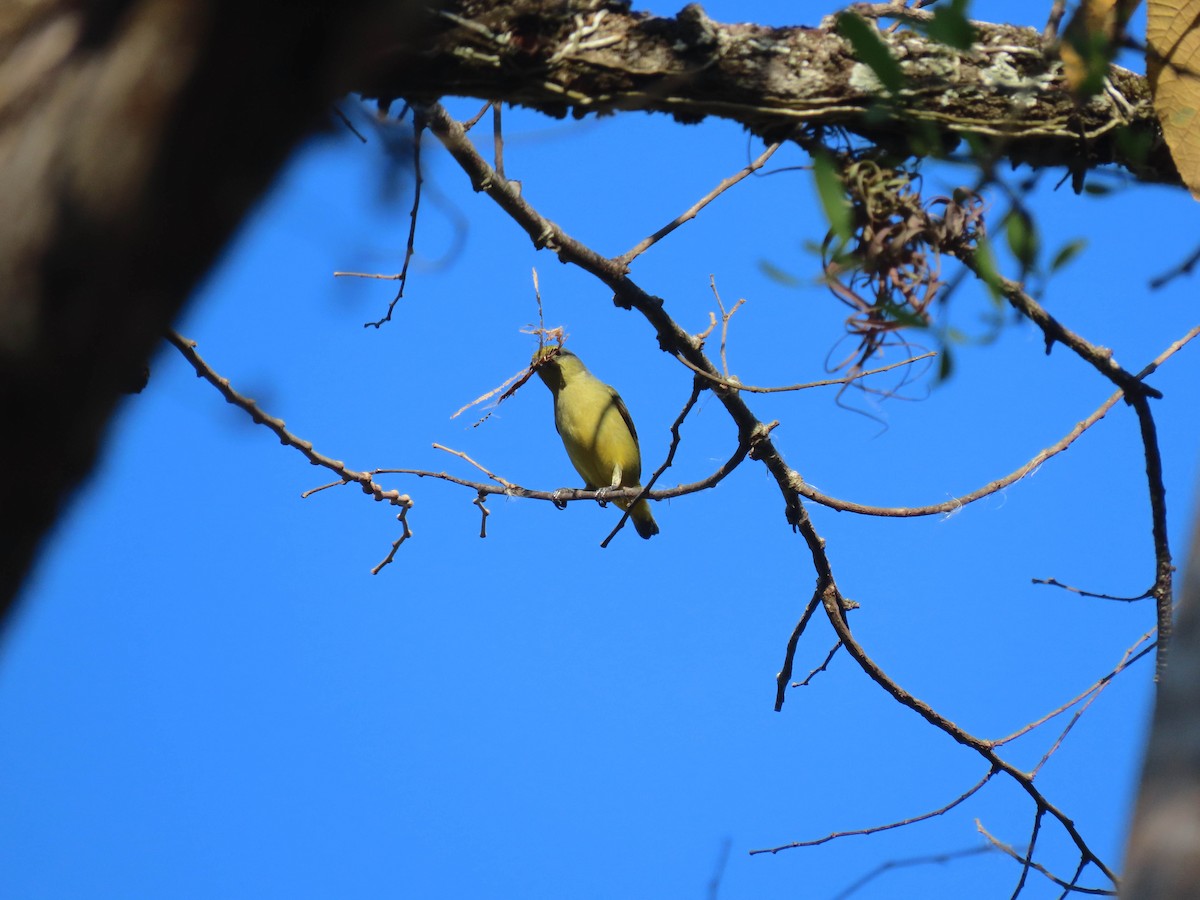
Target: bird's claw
pixel 557 500
pixel 602 495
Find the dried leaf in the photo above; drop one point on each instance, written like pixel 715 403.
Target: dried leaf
pixel 1173 63
pixel 1089 43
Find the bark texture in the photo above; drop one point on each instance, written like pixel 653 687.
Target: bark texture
pixel 596 56
pixel 1162 860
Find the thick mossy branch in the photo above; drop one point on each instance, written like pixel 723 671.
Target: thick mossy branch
pixel 590 56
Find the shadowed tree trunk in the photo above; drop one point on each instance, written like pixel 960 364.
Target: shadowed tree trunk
pixel 134 135
pixel 1163 858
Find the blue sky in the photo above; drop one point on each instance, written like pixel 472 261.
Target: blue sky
pixel 209 695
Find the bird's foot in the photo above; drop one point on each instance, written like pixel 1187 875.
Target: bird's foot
pixel 557 500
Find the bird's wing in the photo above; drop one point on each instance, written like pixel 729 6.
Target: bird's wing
pixel 620 404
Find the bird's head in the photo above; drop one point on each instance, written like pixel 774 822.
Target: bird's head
pixel 553 364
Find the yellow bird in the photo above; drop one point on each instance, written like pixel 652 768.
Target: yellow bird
pixel 596 429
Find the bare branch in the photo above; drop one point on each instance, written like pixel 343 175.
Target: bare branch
pixel 339 468
pixel 1054 332
pixel 984 748
pixel 803 386
pixel 938 858
pixel 821 668
pixel 634 252
pixel 1163 568
pixel 1137 394
pixel 789 655
pixel 1028 858
pixel 410 247
pixel 666 463
pixel 987 490
pixel 726 315
pixel 1131 656
pixel 1054 582
pixel 508 485
pixel 481 501
pixel 402 518
pixel 1001 483
pixel 1025 860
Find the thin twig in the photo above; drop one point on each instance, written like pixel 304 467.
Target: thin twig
pixel 410 247
pixel 1137 394
pixel 402 518
pixel 1163 568
pixel 714 883
pixel 932 858
pixel 1131 656
pixel 1054 582
pixel 876 829
pixel 821 668
pixel 1068 885
pixel 1184 268
pixel 988 489
pixel 474 120
pixel 634 252
pixel 1057 9
pixel 481 501
pixel 1028 858
pixel 984 748
pixel 666 463
pixel 349 125
pixel 278 427
pixel 784 677
pixel 725 317
pixel 1054 332
pixel 497 140
pixel 487 472
pixel 804 386
pixel 578 495
pixel 992 487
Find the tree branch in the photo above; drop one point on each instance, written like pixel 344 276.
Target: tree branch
pixel 595 57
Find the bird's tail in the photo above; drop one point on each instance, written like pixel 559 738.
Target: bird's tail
pixel 643 519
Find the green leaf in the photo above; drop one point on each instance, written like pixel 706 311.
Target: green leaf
pixel 924 139
pixel 950 26
pixel 871 50
pixel 1067 253
pixel 777 274
pixel 832 194
pixel 1096 51
pixel 903 316
pixel 1021 233
pixel 985 264
pixel 945 364
pixel 1133 145
pixel 979 146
